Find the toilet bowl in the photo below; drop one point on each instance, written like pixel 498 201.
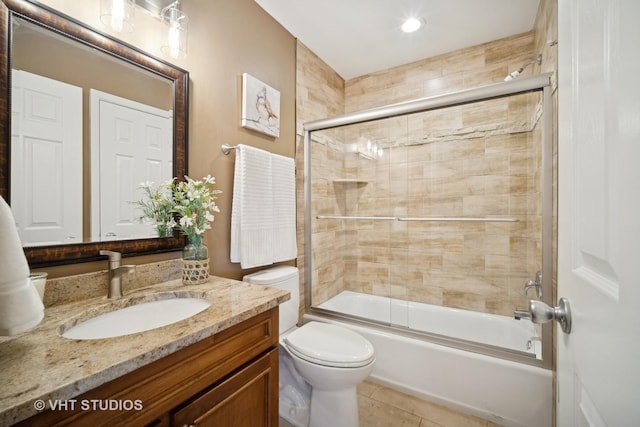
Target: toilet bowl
pixel 333 360
pixel 320 363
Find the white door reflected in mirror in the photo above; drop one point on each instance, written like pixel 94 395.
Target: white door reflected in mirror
pixel 46 159
pixel 131 143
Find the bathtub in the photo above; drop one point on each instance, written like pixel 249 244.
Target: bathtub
pixel 499 390
pixel 490 329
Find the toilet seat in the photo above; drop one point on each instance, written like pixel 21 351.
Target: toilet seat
pixel 330 345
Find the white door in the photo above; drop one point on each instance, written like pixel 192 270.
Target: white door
pixel 599 212
pixel 46 159
pixel 134 143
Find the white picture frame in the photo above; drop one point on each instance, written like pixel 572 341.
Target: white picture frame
pixel 260 106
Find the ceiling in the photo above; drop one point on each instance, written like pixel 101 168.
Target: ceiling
pixel 357 37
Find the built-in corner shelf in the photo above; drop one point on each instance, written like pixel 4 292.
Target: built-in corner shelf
pixel 350 181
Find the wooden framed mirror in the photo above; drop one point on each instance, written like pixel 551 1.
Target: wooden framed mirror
pixel 103 52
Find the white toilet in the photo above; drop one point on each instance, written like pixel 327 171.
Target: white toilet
pixel 320 363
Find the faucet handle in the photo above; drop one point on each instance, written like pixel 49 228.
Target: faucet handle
pixel 536 284
pixel 128 268
pixel 113 256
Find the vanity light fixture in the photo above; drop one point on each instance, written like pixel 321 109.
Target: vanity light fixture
pixel 176 21
pixel 117 14
pixel 413 24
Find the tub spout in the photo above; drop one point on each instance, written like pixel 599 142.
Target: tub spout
pixel 521 314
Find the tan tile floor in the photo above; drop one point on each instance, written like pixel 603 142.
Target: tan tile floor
pixel 380 406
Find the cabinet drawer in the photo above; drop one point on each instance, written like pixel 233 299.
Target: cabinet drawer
pixel 249 398
pixel 172 380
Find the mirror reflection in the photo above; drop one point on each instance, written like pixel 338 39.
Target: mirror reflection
pixel 86 129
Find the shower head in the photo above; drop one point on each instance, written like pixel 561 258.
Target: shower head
pixel 512 75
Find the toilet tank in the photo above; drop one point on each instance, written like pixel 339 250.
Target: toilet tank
pixel 285 278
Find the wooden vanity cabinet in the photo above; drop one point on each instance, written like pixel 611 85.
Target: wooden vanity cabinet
pixel 241 400
pixel 228 379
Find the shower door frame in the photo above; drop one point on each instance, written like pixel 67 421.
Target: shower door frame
pixel 540 82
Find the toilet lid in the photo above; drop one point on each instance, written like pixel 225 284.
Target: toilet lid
pixel 330 345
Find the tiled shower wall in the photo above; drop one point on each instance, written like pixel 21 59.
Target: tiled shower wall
pixel 471 67
pixel 319 94
pixel 475 161
pixel 338 265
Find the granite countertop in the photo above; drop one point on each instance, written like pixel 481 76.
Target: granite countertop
pixel 42 365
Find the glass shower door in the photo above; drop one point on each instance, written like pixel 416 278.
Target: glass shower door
pixel 432 221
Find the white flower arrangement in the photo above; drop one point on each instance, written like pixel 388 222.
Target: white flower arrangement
pixel 158 209
pixel 193 201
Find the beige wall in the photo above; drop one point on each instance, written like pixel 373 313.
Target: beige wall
pixel 226 39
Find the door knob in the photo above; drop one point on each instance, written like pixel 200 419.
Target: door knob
pixel 540 312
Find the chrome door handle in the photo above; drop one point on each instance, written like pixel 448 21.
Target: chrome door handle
pixel 540 312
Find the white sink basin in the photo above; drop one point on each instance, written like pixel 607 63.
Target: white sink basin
pixel 137 318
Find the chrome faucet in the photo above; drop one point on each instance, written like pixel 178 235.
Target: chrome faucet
pixel 115 273
pixel 536 284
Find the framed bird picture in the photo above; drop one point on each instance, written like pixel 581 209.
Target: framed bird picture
pixel 260 106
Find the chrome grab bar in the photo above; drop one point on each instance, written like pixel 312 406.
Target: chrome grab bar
pixel 434 219
pixel 454 219
pixel 383 218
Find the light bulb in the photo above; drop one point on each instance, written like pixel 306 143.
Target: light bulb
pixel 174 41
pixel 117 15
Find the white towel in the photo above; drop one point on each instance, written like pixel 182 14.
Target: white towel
pixel 252 233
pixel 20 305
pixel 263 215
pixel 284 208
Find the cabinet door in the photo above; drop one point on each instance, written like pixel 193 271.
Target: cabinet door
pixel 249 398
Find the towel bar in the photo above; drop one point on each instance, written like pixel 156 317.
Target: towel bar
pixel 226 149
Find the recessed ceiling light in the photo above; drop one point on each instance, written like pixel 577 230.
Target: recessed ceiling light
pixel 412 24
